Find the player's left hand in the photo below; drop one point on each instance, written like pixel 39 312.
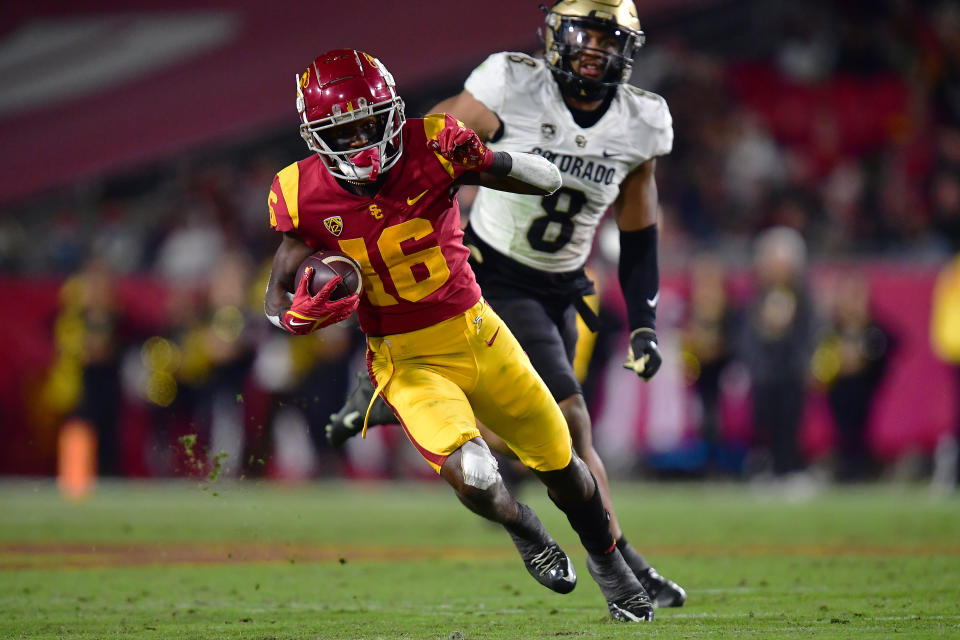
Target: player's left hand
pixel 643 356
pixel 463 147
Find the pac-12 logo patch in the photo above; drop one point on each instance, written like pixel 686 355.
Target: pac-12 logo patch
pixel 334 225
pixel 548 131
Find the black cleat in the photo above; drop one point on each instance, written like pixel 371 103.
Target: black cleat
pixel 635 608
pixel 549 566
pixel 348 422
pixel 542 557
pixel 663 592
pixel 626 598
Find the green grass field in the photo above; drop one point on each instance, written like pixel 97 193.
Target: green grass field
pixel 337 560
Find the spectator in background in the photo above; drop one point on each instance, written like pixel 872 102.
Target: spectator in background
pixel 198 367
pixel 945 340
pixel 945 201
pixel 944 197
pixel 292 370
pixel 85 377
pixel 64 240
pixel 708 337
pixel 946 83
pixel 100 400
pixel 852 359
pixel 173 370
pixel 776 344
pixel 225 342
pixel 191 248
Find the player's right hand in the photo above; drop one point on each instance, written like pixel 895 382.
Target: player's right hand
pixel 643 356
pixel 309 313
pixel 463 147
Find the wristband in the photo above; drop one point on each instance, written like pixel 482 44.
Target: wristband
pixel 502 164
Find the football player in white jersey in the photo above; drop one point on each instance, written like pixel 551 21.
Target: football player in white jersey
pixel 575 108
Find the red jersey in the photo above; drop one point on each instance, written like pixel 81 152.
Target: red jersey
pixel 407 237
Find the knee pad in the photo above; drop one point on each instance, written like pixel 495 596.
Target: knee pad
pixel 478 466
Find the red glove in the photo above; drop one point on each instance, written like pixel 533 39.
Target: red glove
pixel 307 314
pixel 462 147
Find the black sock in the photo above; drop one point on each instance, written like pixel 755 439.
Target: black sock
pixel 636 561
pixel 527 527
pixel 591 522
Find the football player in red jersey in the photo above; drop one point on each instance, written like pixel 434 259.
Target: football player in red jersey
pixel 575 107
pixel 381 188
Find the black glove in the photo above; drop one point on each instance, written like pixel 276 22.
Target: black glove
pixel 643 357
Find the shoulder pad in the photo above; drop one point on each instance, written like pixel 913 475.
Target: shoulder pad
pixel 520 64
pixel 652 108
pixel 521 58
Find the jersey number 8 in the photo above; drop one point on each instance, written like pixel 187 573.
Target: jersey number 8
pixel 551 232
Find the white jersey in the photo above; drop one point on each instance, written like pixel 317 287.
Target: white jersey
pixel 555 233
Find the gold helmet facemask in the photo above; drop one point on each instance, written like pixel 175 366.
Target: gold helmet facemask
pixel 567 35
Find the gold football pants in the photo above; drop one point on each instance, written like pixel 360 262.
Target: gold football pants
pixel 440 380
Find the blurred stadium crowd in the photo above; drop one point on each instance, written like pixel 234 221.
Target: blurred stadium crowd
pixel 811 223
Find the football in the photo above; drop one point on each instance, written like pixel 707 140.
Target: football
pixel 327 265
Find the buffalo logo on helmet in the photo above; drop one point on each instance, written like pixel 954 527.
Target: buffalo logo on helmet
pixel 334 225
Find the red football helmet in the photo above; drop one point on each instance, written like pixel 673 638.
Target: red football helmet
pixel 343 86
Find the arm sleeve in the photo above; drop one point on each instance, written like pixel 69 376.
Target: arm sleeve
pixel 640 276
pixel 488 82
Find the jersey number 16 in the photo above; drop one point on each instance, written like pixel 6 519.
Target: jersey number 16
pixel 414 276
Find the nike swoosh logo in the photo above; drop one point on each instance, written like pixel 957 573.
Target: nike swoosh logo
pixel 607 154
pixel 494 337
pixel 653 301
pixel 413 201
pixel 299 323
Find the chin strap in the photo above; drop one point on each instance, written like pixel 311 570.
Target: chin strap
pixel 574 86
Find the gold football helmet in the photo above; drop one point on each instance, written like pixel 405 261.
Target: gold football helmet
pixel 608 31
